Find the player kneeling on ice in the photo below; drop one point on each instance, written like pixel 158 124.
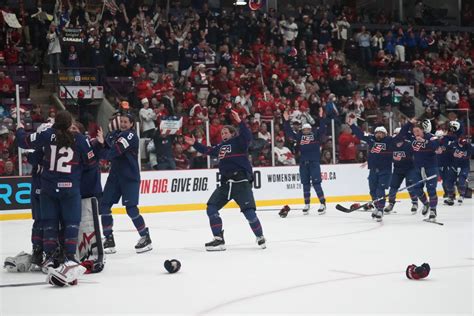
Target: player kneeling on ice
pixel 379 161
pixel 309 140
pixel 403 168
pixel 123 181
pixel 236 181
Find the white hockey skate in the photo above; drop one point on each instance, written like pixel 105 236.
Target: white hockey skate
pixel 322 209
pixel 306 209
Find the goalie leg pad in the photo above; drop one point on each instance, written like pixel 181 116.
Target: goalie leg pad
pixel 65 274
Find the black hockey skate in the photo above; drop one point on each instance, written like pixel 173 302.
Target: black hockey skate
pixel 261 242
pixel 460 199
pixel 449 201
pixel 426 208
pixel 322 209
pixel 37 256
pixel 109 244
pixel 389 208
pixel 144 244
pixel 414 208
pixel 50 261
pixel 218 244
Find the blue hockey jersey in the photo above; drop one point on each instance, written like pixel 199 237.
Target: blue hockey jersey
pixel 35 159
pixel 460 154
pixel 90 181
pixel 402 156
pixel 310 144
pixel 123 153
pixel 232 153
pixel 380 151
pixel 62 167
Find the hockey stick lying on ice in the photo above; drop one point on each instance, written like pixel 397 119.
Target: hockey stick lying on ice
pixel 355 207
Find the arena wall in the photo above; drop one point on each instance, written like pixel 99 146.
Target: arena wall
pixel 188 190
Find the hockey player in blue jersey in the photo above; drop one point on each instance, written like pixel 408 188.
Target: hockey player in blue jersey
pixel 309 140
pixel 424 145
pixel 444 157
pixel 379 161
pixel 35 158
pixel 123 182
pixel 460 152
pixel 403 169
pixel 236 181
pixel 65 157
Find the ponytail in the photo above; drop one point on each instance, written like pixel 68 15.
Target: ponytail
pixel 62 123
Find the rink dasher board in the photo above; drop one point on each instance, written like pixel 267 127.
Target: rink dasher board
pixel 189 190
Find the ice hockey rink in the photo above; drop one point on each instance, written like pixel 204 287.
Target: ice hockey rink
pixel 336 263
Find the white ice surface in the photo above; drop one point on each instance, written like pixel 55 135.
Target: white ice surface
pixel 335 263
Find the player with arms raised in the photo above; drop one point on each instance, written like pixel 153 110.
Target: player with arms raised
pixel 309 140
pixel 236 181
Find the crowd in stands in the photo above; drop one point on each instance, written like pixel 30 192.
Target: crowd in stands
pixel 197 63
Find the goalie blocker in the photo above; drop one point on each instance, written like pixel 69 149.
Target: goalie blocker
pixel 90 251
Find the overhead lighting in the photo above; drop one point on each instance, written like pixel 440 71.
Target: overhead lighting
pixel 240 2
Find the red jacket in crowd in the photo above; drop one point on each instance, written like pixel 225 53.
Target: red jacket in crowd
pixel 347 147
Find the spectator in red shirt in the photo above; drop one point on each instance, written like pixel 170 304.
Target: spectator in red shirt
pixel 180 158
pixel 215 131
pixel 347 146
pixel 7 88
pixel 11 55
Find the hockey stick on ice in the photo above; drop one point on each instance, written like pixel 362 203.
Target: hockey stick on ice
pixel 341 208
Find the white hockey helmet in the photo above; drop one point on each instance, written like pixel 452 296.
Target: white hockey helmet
pixel 454 126
pixel 306 125
pixel 397 131
pixel 426 124
pixel 439 133
pixel 380 129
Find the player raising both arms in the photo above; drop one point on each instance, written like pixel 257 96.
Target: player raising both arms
pixel 309 140
pixel 236 181
pixel 123 181
pixel 379 160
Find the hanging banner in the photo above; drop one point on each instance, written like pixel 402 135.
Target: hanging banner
pixel 90 92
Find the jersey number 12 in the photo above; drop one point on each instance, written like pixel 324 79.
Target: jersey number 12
pixel 63 161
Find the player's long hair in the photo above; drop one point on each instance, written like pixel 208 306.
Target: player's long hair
pixel 62 123
pixel 232 130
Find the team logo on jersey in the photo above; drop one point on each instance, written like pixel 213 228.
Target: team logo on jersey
pixel 224 150
pixel 90 155
pixel 378 147
pixel 418 145
pixel 306 139
pixel 398 155
pixel 460 154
